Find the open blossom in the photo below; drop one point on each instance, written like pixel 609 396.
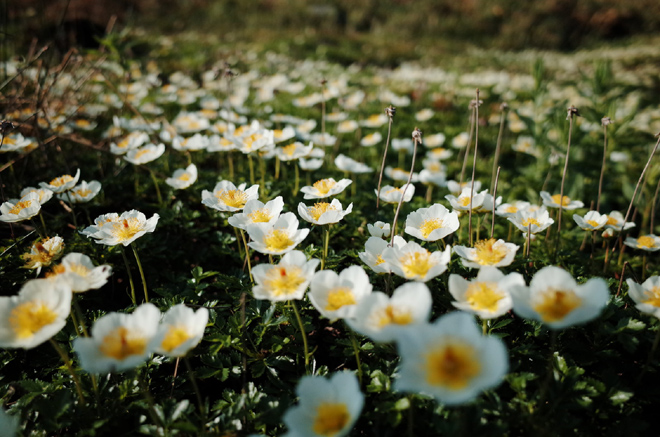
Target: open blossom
pixel 130 142
pixel 181 329
pixel 36 314
pixel 228 197
pixel 327 407
pixel 145 154
pixel 615 222
pixel 183 177
pixel 344 163
pixel 467 200
pixel 381 317
pixel 43 253
pixel 81 193
pixel 336 296
pixel 646 295
pixel 592 221
pixel 554 200
pixel 371 139
pixel 456 188
pixel 412 261
pixel 487 295
pixel 123 229
pixel 276 238
pixel 94 231
pixel 256 211
pixel 373 253
pixel 450 359
pixel 401 175
pixel 286 280
pixel 532 221
pixel 431 224
pixel 649 242
pixel 390 194
pixel 119 341
pixel 81 274
pixel 44 194
pixel 509 209
pixel 23 209
pixel 379 229
pixel 491 252
pixel 325 188
pixel 555 299
pixel 61 183
pixel 323 213
pixel 293 151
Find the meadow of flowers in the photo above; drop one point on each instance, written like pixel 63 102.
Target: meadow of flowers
pixel 280 247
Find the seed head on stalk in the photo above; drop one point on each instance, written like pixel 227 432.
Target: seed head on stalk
pixel 390 111
pixel 417 140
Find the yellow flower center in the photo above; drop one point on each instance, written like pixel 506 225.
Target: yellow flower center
pixel 233 198
pixel 175 336
pixel 556 304
pixel 593 223
pixel 452 365
pixel 483 296
pixel 612 221
pixel 646 241
pixel 430 225
pixel 9 140
pixel 564 200
pixel 487 254
pixel 82 192
pixel 58 182
pixel 379 260
pixel 20 206
pixel 391 315
pixel 319 209
pixel 83 123
pixel 260 216
pixel 29 318
pixel 530 221
pixel 339 297
pixel 464 201
pixel 249 141
pixel 185 177
pixel 127 228
pixel 140 153
pixel 331 419
pixel 511 210
pixel 416 264
pixel 278 240
pixel 324 186
pixel 652 296
pixel 289 150
pixel 121 344
pixel 78 269
pixel 284 280
pixel 374 118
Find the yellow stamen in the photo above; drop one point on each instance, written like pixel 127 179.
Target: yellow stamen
pixel 530 221
pixel 20 206
pixel 29 318
pixel 612 221
pixel 483 296
pixel 564 200
pixel 282 281
pixel 331 419
pixel 323 186
pixel 430 225
pixel 260 216
pixel 185 177
pixel 511 210
pixel 487 254
pixel 319 209
pixel 339 297
pixel 121 344
pixel 556 304
pixel 593 223
pixel 452 365
pixel 391 315
pixel 646 242
pixel 464 201
pixel 278 240
pixel 82 192
pixel 176 335
pixel 58 182
pixel 233 198
pixel 652 297
pixel 416 264
pixel 289 150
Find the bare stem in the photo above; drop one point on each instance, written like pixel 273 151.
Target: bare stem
pixel 144 282
pixel 563 180
pixel 498 146
pixel 67 362
pixel 302 333
pixel 474 166
pixel 390 111
pixel 417 138
pixel 497 179
pixel 602 169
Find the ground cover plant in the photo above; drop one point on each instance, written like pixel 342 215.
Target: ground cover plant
pixel 214 252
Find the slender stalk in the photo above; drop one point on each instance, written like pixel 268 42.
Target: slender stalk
pixel 176 370
pixel 529 239
pixel 572 111
pixel 496 160
pixel 356 351
pixel 469 144
pixel 326 242
pixel 43 222
pixel 43 237
pixel 474 166
pixel 417 139
pixel 484 326
pixel 604 121
pixel 81 317
pixel 390 111
pixel 247 255
pixel 497 179
pixel 193 381
pixel 150 401
pixel 429 193
pixel 251 164
pixel 155 182
pixel 277 168
pixel 655 199
pixel 144 282
pixel 230 164
pixel 302 333
pixel 67 362
pixel 130 276
pixel 296 185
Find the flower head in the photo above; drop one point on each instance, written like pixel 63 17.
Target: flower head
pixel 412 261
pixel 615 221
pixel 183 177
pixel 286 280
pixel 323 213
pixel 467 200
pixel 81 193
pixel 61 183
pixel 256 211
pixel 646 295
pixel 293 151
pixel 327 408
pixel 390 194
pixel 554 200
pixel 592 221
pixel 81 273
pixel 325 188
pixel 431 224
pixel 23 209
pixel 123 229
pixel 43 253
pixel 373 253
pixel 336 296
pixel 649 242
pixel 379 229
pixel 555 299
pixel 181 330
pixel 532 221
pixel 344 163
pixel 487 295
pixel 491 252
pixel 276 238
pixel 450 359
pixel 145 154
pixel 228 197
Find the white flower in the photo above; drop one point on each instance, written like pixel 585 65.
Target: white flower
pixel 8 423
pixel 554 298
pixel 381 317
pixel 347 126
pixel 532 221
pixel 181 330
pixel 194 143
pixel 649 242
pixel 424 115
pixel 592 221
pixel 460 141
pixel 286 280
pixel 646 295
pixel 81 274
pixel 124 229
pixel 431 224
pixel 615 222
pixel 327 408
pixel 412 261
pixel 491 252
pixel 82 193
pixel 323 213
pixel 439 153
pixel 280 135
pixel 36 314
pixel 277 238
pixel 145 154
pixel 553 201
pixel 487 295
pixel 399 174
pixel 376 120
pixel 325 188
pixel 183 177
pixel 43 253
pixel 23 209
pixel 61 183
pixel 509 209
pixel 373 253
pixel 405 144
pixel 457 188
pixel 228 197
pixel 94 231
pixel 257 212
pixel 434 141
pixel 310 164
pixel 450 359
pixel 390 194
pixel 371 139
pixel 379 229
pixel 119 341
pixel 526 144
pixel 335 296
pixel 323 139
pixel 467 200
pixel 44 194
pixel 344 163
pixel 293 151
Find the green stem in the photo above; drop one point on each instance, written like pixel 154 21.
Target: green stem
pixel 144 282
pixel 193 381
pixel 302 333
pixel 67 362
pixel 484 326
pixel 130 276
pixel 247 255
pixel 43 223
pixel 356 351
pixel 73 209
pixel 81 317
pixel 155 181
pixel 296 185
pixel 326 240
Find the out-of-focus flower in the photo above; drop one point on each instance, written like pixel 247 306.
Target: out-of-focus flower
pixel 532 221
pixel 124 229
pixel 183 177
pixel 592 221
pixel 373 253
pixel 119 341
pixel 323 139
pixel 381 317
pixel 464 202
pixel 81 193
pixel 191 144
pixel 435 140
pixel 327 408
pixel 130 142
pixel 460 141
pixel 439 153
pixel 145 154
pixel 181 330
pixel 23 209
pixel 286 280
pixel 371 139
pixel 323 213
pixel 94 231
pixel 44 194
pixel 347 126
pixel 509 209
pixel 457 188
pixel 399 174
pixel 615 221
pixel 649 242
pixel 310 164
pixel 390 194
pixel 375 120
pixel 280 135
pixel 81 273
pixel 411 261
pixel 43 253
pixel 646 295
pixel 424 115
pixel 491 252
pixel 36 314
pixel 555 299
pixel 487 295
pixel 257 212
pixel 276 238
pixel 431 224
pixel 526 144
pixel 344 163
pixel 8 423
pixel 379 229
pixel 61 183
pixel 335 296
pixel 553 201
pixel 450 359
pixel 228 197
pixel 293 151
pixel 325 188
